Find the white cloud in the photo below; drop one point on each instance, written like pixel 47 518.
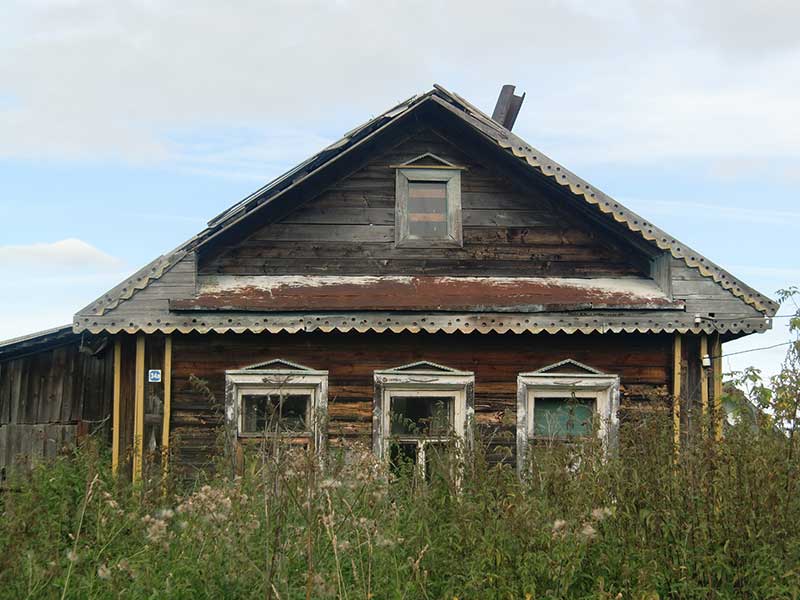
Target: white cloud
pixel 715 212
pixel 53 258
pixel 633 81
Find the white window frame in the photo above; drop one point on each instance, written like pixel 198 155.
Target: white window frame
pixel 603 388
pixel 261 380
pixel 422 379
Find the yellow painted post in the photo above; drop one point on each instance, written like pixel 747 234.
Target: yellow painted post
pixel 115 414
pixel 703 384
pixel 676 393
pixel 138 418
pixel 167 406
pixel 717 365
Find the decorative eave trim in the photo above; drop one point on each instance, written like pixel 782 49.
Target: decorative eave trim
pixel 135 283
pixel 380 322
pixel 607 205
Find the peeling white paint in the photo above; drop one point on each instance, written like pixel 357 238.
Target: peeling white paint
pixel 634 287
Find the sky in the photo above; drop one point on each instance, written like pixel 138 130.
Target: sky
pixel 126 125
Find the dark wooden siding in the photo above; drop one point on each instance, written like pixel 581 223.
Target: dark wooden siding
pixel 48 398
pixel 642 361
pixel 349 229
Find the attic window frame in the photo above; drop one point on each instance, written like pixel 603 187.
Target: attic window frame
pixel 448 174
pixel 603 388
pixel 295 379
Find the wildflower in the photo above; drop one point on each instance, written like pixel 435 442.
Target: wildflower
pixel 330 484
pixel 598 514
pixel 103 572
pixel 559 525
pixel 588 532
pixel 166 514
pixel 72 556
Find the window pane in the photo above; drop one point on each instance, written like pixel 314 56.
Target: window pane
pixel 427 209
pixel 403 457
pixel 421 415
pixel 563 417
pixel 285 412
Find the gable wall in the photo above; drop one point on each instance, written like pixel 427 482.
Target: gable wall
pixel 349 229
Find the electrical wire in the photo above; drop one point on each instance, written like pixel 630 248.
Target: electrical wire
pixel 753 350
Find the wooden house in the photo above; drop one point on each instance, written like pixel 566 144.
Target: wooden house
pixel 430 265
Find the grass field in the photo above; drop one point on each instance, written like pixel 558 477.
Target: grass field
pixel 723 521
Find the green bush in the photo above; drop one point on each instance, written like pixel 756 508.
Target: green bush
pixel 720 521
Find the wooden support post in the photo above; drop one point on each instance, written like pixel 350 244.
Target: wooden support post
pixel 115 417
pixel 716 361
pixel 676 393
pixel 167 406
pixel 703 385
pixel 138 414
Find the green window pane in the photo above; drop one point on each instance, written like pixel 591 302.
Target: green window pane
pixel 562 417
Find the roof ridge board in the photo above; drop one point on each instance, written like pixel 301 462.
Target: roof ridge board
pixel 634 222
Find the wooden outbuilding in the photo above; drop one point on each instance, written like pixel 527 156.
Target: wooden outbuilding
pixel 427 277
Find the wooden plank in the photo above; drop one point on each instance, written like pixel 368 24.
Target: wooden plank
pixel 4 458
pixel 5 391
pixel 115 433
pixel 716 362
pixel 138 427
pixel 676 391
pixel 165 423
pixel 703 383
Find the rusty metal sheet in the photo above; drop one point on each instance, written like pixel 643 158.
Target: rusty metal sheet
pixel 424 293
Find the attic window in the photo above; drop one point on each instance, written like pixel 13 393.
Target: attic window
pixel 428 200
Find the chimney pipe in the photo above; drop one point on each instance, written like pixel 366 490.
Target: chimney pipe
pixel 507 107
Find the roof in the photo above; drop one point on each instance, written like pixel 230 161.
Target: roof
pixel 37 341
pixel 483 125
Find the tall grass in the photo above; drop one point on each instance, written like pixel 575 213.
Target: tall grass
pixel 721 522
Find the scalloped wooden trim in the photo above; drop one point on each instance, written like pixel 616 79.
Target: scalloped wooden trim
pixel 636 224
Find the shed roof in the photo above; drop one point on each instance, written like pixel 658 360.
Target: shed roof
pixel 37 341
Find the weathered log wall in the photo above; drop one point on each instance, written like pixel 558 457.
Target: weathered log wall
pixel 642 361
pixel 49 398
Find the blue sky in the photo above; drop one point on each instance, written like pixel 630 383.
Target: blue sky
pixel 125 126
